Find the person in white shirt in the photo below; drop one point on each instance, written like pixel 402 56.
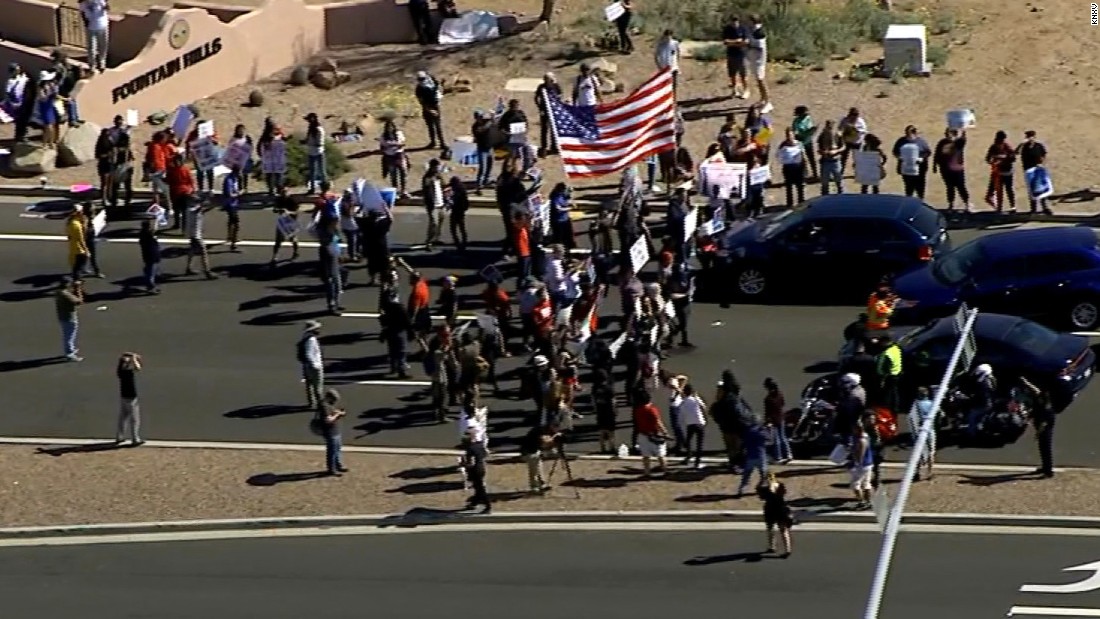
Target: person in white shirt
pixel 792 156
pixel 757 57
pixel 97 22
pixel 667 56
pixel 852 129
pixel 693 417
pixel 12 97
pixel 586 91
pixel 313 364
pixel 315 153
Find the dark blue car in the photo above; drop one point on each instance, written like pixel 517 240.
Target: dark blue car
pixel 1059 363
pixel 1050 274
pixel 849 239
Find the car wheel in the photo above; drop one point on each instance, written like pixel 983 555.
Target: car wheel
pixel 751 282
pixel 1084 315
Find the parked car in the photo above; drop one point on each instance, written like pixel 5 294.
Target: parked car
pixel 849 239
pixel 1059 363
pixel 1049 274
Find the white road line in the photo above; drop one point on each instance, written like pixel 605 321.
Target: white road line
pixel 392 383
pixel 1052 611
pixel 377 315
pixel 611 525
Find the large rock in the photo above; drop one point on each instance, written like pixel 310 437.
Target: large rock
pixel 299 76
pixel 325 80
pixel 326 65
pixel 77 146
pixel 27 158
pixel 605 67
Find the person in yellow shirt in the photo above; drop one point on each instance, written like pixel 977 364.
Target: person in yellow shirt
pixel 75 230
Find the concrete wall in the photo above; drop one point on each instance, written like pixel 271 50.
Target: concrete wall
pixel 28 22
pixel 368 21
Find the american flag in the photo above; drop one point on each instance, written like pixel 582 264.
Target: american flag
pixel 603 139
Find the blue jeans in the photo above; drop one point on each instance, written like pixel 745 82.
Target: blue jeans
pixel 782 445
pixel 69 328
pixel 71 111
pixel 753 462
pixel 317 174
pixel 205 180
pixel 523 265
pixel 151 272
pixel 396 348
pixel 333 447
pixel 831 171
pixel 974 420
pixel 484 167
pixel 333 285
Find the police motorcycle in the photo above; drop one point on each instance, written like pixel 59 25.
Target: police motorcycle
pixel 811 428
pixel 1004 422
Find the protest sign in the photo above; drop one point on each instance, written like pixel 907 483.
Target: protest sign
pixel 159 215
pixel 181 122
pixel 491 274
pixel 724 180
pixel 274 158
pixel 371 198
pixel 237 154
pixel 132 118
pixel 868 167
pixel 1039 183
pixel 759 175
pixel 99 222
pixel 614 11
pixel 205 129
pixel 539 208
pixel 517 133
pixel 909 159
pixel 464 153
pixel 961 119
pixel 287 225
pixel 206 153
pixel 639 254
pixel 691 223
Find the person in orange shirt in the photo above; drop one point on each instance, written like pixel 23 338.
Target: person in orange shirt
pixel 544 324
pixel 880 307
pixel 521 227
pixel 181 188
pixel 417 309
pixel 158 152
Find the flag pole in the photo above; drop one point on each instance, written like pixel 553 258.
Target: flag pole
pixel 554 132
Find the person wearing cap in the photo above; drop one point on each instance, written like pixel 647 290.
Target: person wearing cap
pixel 549 87
pixel 46 106
pixel 97 21
pixel 432 188
pixel 14 90
pixel 312 362
pixel 327 424
pixel 1033 154
pixel 586 89
pixel 429 93
pixel 67 301
pixel 315 153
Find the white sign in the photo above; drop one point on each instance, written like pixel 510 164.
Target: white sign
pixel 287 225
pixel 1091 583
pixel 205 129
pixel 614 11
pixel 639 254
pixel 961 119
pixel 909 159
pixel 274 157
pixel 371 198
pixel 517 133
pixel 206 153
pixel 691 223
pixel 868 164
pixel 617 345
pixel 159 215
pixel 880 504
pixel 237 153
pixel 464 153
pixel 99 222
pixel 132 118
pixel 725 180
pixel 539 208
pixel 181 122
pixel 759 175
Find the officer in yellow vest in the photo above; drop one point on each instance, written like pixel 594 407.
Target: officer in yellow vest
pixel 880 306
pixel 888 365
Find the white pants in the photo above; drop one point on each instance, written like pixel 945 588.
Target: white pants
pixel 129 420
pixel 97 49
pixel 861 478
pixel 757 63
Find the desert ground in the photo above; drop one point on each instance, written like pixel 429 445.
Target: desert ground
pixel 1018 65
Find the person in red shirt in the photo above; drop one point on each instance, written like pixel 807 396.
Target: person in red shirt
pixel 651 433
pixel 158 152
pixel 544 323
pixel 499 305
pixel 181 188
pixel 521 227
pixel 418 311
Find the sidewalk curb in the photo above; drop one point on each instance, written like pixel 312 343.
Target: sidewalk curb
pixel 424 518
pixel 496 457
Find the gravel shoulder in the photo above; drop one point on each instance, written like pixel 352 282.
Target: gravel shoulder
pixel 70 486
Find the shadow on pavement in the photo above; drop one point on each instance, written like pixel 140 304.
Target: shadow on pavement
pixel 993 480
pixel 743 557
pixel 263 411
pixel 425 473
pixel 704 498
pixel 427 487
pixel 272 479
pixel 79 449
pixel 30 364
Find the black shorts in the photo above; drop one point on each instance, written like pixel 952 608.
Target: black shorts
pixel 233 215
pixel 735 66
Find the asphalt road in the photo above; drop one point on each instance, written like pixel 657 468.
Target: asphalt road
pixel 537 574
pixel 220 360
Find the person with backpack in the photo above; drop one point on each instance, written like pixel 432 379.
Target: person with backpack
pixel 313 365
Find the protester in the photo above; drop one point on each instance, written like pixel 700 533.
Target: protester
pixel 97 22
pixel 831 149
pixel 195 220
pixel 429 93
pixel 861 458
pixel 76 227
pixel 1001 157
pixel 804 131
pixel 736 39
pixel 792 156
pixel 548 88
pixel 431 188
pixel 15 90
pixel 531 448
pixel 652 435
pixel 757 58
pixel 949 160
pixel 667 56
pixel 312 363
pixel 474 462
pixel 327 422
pixel 67 300
pixel 315 154
pixel 231 204
pixel 872 144
pixel 622 24
pixel 775 413
pixel 421 14
pixel 150 255
pixel 853 130
pixel 1032 154
pixel 586 88
pixel 46 101
pixel 777 514
pixel 270 135
pixel 919 413
pixel 912 153
pixel 693 416
pixel 129 413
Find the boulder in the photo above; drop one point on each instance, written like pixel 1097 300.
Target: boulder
pixel 299 76
pixel 325 80
pixel 256 98
pixel 77 146
pixel 462 84
pixel 27 158
pixel 608 87
pixel 342 77
pixel 605 67
pixel 326 65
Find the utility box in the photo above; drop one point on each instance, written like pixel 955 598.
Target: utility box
pixel 905 48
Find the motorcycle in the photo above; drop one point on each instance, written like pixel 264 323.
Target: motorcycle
pixel 1007 421
pixel 810 428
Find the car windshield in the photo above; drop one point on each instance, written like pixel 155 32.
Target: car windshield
pixel 957 266
pixel 1031 337
pixel 782 222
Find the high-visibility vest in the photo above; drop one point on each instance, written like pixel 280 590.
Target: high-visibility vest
pixel 891 356
pixel 878 313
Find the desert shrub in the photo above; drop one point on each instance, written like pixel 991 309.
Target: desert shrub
pixel 937 55
pixel 859 74
pixel 297 162
pixel 709 53
pixel 797 31
pixel 942 21
pixel 786 78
